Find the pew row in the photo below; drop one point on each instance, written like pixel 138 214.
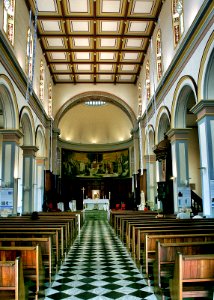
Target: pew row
pixel 31 260
pixel 149 251
pixel 165 261
pixel 45 243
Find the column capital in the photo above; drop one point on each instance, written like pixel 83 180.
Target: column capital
pixel 56 131
pixel 40 160
pixel 11 135
pixel 29 150
pixel 203 108
pixel 178 134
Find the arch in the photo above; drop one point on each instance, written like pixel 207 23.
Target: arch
pixel 150 140
pixel 27 126
pixel 107 97
pixel 9 104
pixel 186 90
pixel 205 86
pixel 40 142
pixel 162 123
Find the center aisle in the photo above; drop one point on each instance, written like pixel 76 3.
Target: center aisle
pixel 98 267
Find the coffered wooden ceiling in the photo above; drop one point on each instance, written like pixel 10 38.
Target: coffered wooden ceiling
pixel 95 41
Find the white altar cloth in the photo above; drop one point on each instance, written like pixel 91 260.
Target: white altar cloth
pixel 99 204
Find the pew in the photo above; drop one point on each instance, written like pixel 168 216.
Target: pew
pixel 12 280
pixel 57 231
pixel 165 259
pixel 193 276
pixel 45 243
pixel 31 260
pixel 149 250
pixel 138 246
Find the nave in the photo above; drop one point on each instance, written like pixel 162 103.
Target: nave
pixel 98 267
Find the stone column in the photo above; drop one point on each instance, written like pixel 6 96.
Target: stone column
pixel 39 187
pixel 204 110
pixel 10 166
pixel 151 180
pixel 180 167
pixel 29 184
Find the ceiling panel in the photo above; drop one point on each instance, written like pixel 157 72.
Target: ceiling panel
pixel 95 41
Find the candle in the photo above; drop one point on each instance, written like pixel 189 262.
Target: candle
pixel 109 195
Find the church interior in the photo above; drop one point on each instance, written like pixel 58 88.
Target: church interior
pixel 106 149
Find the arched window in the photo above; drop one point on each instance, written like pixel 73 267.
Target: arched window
pixel 139 99
pixel 50 100
pixel 29 56
pixel 9 11
pixel 159 55
pixel 148 89
pixel 177 20
pixel 41 82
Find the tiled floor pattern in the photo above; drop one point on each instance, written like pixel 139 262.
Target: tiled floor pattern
pixel 98 267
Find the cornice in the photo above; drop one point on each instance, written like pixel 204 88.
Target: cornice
pixel 95 147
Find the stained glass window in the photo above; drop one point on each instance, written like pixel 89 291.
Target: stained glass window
pixel 50 100
pixel 178 20
pixel 29 56
pixel 159 55
pixel 148 89
pixel 41 82
pixel 9 11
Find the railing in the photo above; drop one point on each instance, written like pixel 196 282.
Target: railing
pixel 196 203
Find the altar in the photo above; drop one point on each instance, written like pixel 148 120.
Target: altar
pixel 98 204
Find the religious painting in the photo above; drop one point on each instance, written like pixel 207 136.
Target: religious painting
pixel 95 164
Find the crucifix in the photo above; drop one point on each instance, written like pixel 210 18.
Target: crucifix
pixel 83 191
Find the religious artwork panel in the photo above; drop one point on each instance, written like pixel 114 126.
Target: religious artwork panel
pixel 95 164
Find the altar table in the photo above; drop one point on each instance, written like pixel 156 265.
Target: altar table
pixel 98 204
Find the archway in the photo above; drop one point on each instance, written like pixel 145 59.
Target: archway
pixel 28 153
pixel 186 146
pixel 40 170
pixel 162 151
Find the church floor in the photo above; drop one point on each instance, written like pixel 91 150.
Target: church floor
pixel 98 267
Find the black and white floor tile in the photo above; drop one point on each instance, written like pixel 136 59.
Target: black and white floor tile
pixel 98 267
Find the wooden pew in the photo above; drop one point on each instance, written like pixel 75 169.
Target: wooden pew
pixel 56 230
pixel 31 260
pixel 133 228
pixel 138 245
pixel 12 280
pixel 193 276
pixel 165 259
pixel 149 250
pixel 45 243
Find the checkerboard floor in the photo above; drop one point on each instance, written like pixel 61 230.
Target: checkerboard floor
pixel 98 267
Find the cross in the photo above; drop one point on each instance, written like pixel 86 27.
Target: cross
pixel 83 190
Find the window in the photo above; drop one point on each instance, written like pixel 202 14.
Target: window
pixel 159 55
pixel 41 82
pixel 50 100
pixel 9 11
pixel 139 99
pixel 178 20
pixel 148 89
pixel 29 57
